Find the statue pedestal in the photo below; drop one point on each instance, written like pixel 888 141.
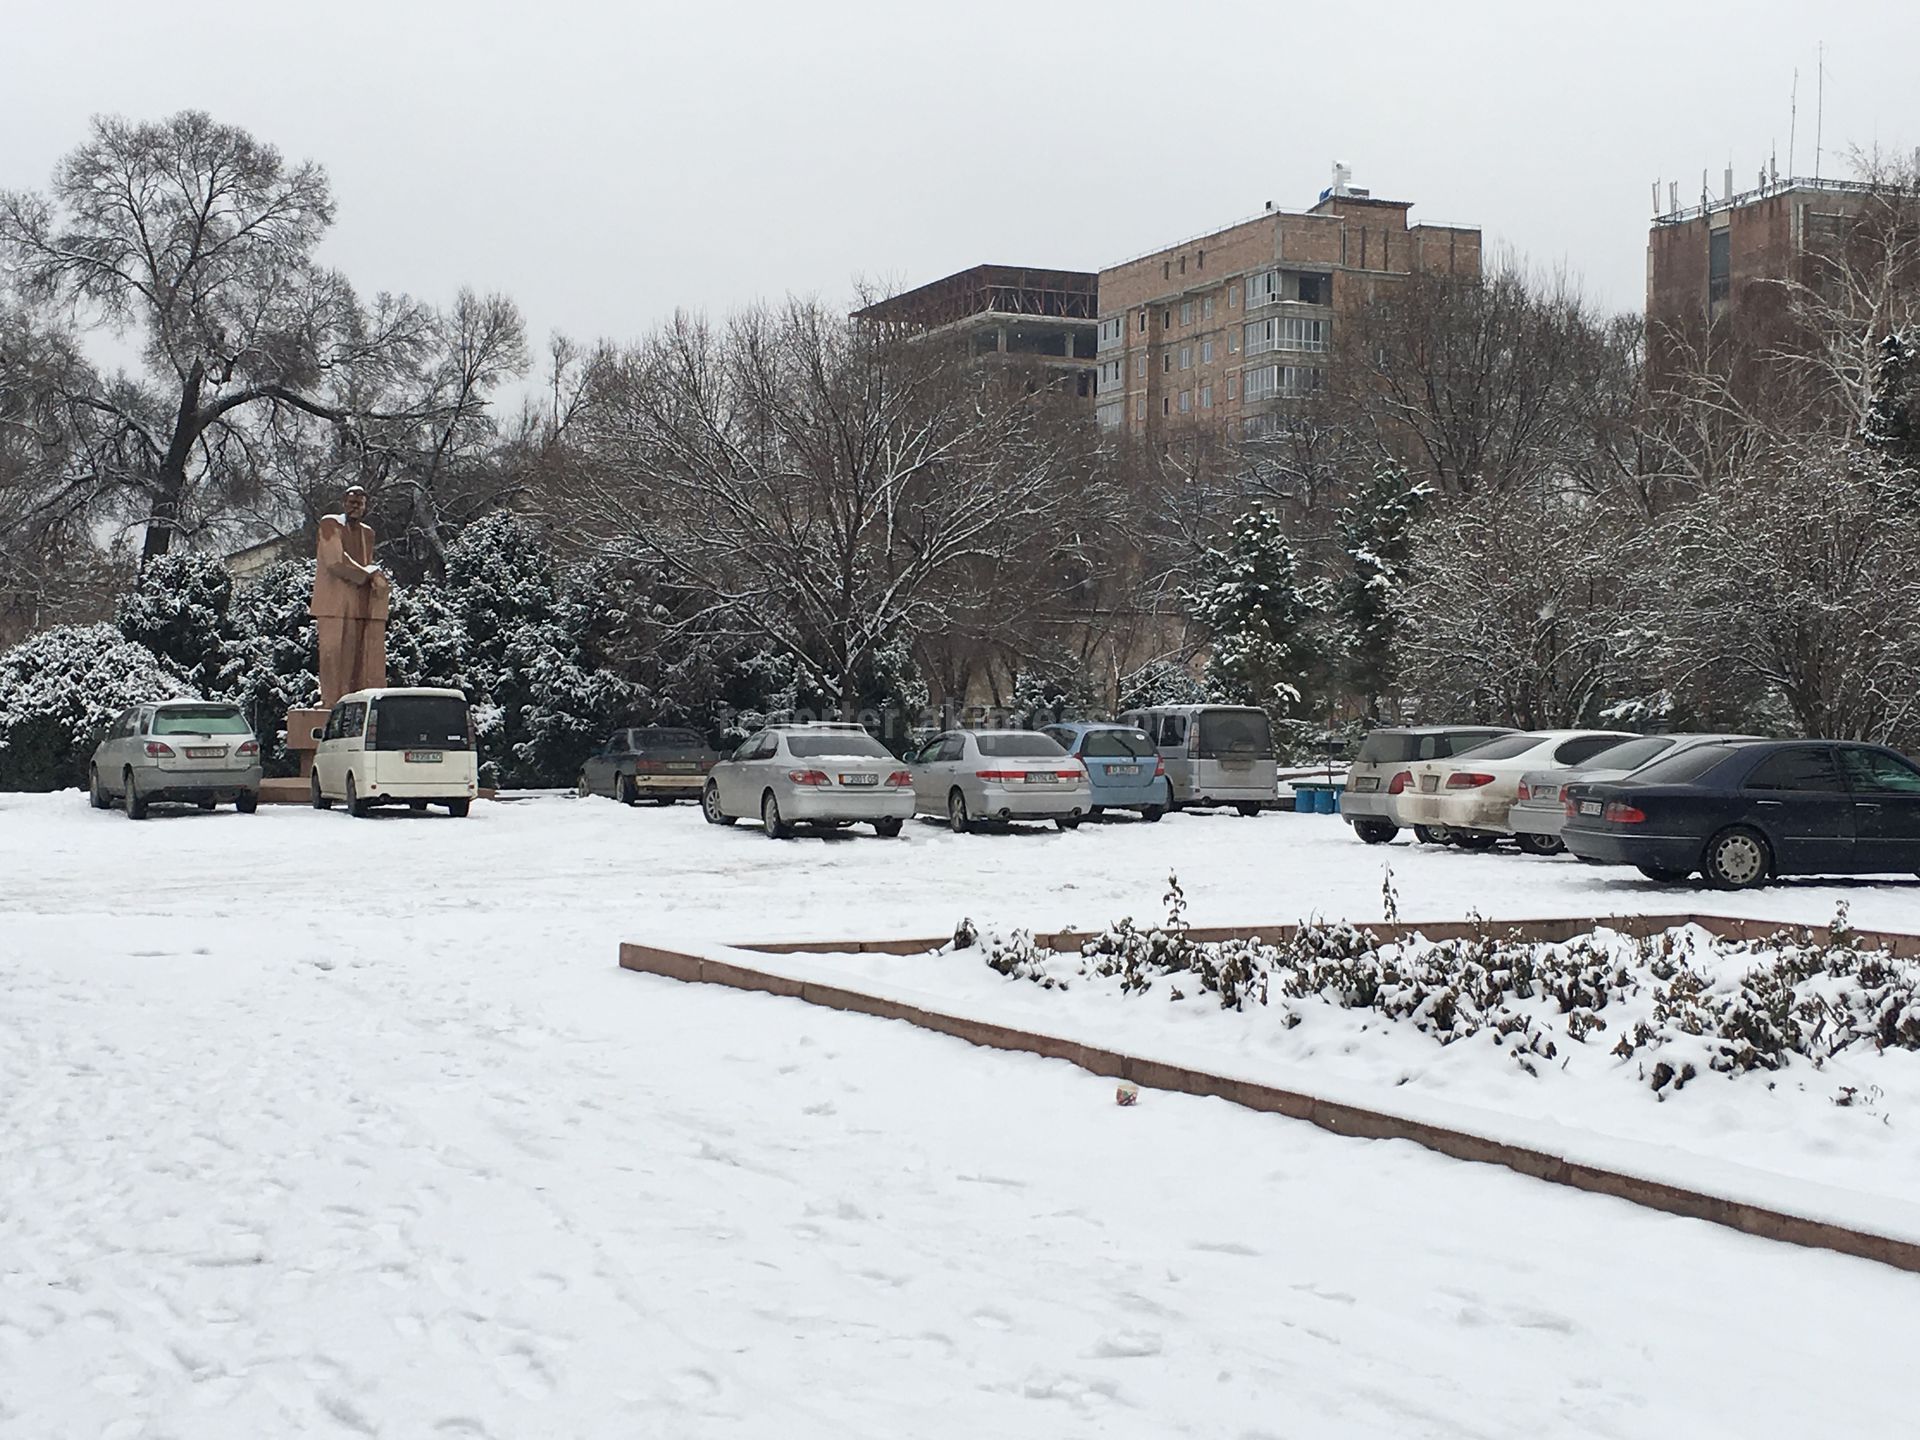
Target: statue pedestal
pixel 300 727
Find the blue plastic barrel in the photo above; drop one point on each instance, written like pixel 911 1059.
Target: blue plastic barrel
pixel 1323 801
pixel 1303 799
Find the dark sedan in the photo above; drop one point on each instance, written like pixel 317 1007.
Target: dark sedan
pixel 653 764
pixel 1743 812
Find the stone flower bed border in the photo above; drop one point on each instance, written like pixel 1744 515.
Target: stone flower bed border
pixel 1340 1118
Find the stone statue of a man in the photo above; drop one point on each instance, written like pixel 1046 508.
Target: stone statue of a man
pixel 349 605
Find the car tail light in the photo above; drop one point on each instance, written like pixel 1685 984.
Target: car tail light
pixel 373 725
pixel 1523 793
pixel 901 778
pixel 1070 774
pixel 1467 780
pixel 1571 807
pixel 473 740
pixel 808 777
pixel 1000 775
pixel 649 766
pixel 1398 785
pixel 1621 813
pixel 248 747
pixel 1159 768
pixel 158 750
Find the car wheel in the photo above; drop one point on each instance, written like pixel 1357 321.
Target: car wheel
pixel 1664 874
pixel 1540 844
pixel 356 807
pixel 1151 813
pixel 1248 808
pixel 581 787
pixel 1470 840
pixel 957 820
pixel 319 801
pixel 710 806
pixel 458 809
pixel 886 829
pixel 96 796
pixel 1429 834
pixel 1096 811
pixel 1375 832
pixel 247 801
pixel 776 828
pixel 629 792
pixel 208 804
pixel 416 806
pixel 1737 859
pixel 1067 822
pixel 136 807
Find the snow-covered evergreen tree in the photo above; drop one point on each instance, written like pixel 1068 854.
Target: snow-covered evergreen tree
pixel 1161 682
pixel 60 689
pixel 1262 614
pixel 1893 413
pixel 272 656
pixel 178 608
pixel 1053 687
pixel 1376 531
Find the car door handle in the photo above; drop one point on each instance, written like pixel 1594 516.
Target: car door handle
pixel 1769 802
pixel 1866 804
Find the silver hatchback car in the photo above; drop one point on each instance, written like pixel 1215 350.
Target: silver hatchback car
pixel 822 774
pixel 194 752
pixel 971 776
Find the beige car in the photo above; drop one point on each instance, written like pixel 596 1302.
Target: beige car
pixel 412 747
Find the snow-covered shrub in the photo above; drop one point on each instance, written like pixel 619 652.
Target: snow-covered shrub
pixel 179 609
pixel 60 689
pixel 1161 682
pixel 272 656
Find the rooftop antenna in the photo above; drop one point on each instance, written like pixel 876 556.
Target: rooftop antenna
pixel 1793 119
pixel 1673 196
pixel 1819 106
pixel 1656 197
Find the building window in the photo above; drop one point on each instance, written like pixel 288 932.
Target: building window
pixel 1233 296
pixel 1166 405
pixel 1719 266
pixel 1112 330
pixel 1200 260
pixel 1313 289
pixel 1206 397
pixel 1110 416
pixel 1166 363
pixel 1183 264
pixel 1233 385
pixel 1143 322
pixel 1186 312
pixel 1206 308
pixel 1166 269
pixel 1206 352
pixel 1166 319
pixel 1186 357
pixel 1140 366
pixel 1186 401
pixel 1289 381
pixel 1113 375
pixel 1233 342
pixel 1140 408
pixel 1288 332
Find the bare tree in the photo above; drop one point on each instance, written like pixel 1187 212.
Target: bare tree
pixel 825 484
pixel 201 240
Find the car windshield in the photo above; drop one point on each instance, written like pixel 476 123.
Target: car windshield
pixel 200 720
pixel 1507 747
pixel 1689 764
pixel 1114 744
pixel 667 740
pixel 411 722
pixel 1234 733
pixel 1631 754
pixel 1022 746
pixel 845 743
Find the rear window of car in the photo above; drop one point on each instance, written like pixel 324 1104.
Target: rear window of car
pixel 841 743
pixel 1507 747
pixel 667 740
pixel 1111 744
pixel 1389 747
pixel 1632 754
pixel 409 722
pixel 200 720
pixel 1015 747
pixel 1688 765
pixel 1234 733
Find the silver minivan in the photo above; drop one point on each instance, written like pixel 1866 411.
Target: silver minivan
pixel 397 746
pixel 1214 754
pixel 192 752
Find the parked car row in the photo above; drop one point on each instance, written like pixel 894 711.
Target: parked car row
pixel 1738 810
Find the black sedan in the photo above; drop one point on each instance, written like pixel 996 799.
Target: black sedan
pixel 1741 812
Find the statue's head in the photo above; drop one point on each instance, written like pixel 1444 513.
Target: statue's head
pixel 354 503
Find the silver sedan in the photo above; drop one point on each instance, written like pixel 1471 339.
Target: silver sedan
pixel 971 776
pixel 788 775
pixel 195 752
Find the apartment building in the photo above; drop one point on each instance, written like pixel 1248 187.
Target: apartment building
pixel 1039 323
pixel 1230 331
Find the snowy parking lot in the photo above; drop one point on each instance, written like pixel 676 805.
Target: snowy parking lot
pixel 318 1126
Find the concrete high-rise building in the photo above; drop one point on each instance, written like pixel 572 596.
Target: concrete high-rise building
pixel 1039 322
pixel 1227 331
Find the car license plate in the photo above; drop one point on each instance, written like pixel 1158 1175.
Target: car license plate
pixel 423 757
pixel 859 779
pixel 1123 769
pixel 683 767
pixel 1543 792
pixel 1366 783
pixel 205 752
pixel 1039 777
pixel 1589 807
pixel 1429 784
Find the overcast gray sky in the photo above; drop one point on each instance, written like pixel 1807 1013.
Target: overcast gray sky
pixel 604 163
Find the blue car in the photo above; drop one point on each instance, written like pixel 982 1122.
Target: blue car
pixel 1123 766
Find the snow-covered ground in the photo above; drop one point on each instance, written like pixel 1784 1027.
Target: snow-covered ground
pixel 329 1127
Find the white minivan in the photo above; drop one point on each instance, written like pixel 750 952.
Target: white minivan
pixel 391 747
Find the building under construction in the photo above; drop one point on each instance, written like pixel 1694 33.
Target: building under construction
pixel 1012 315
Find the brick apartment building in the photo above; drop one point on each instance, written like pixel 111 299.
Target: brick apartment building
pixel 1723 260
pixel 1224 331
pixel 1038 322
